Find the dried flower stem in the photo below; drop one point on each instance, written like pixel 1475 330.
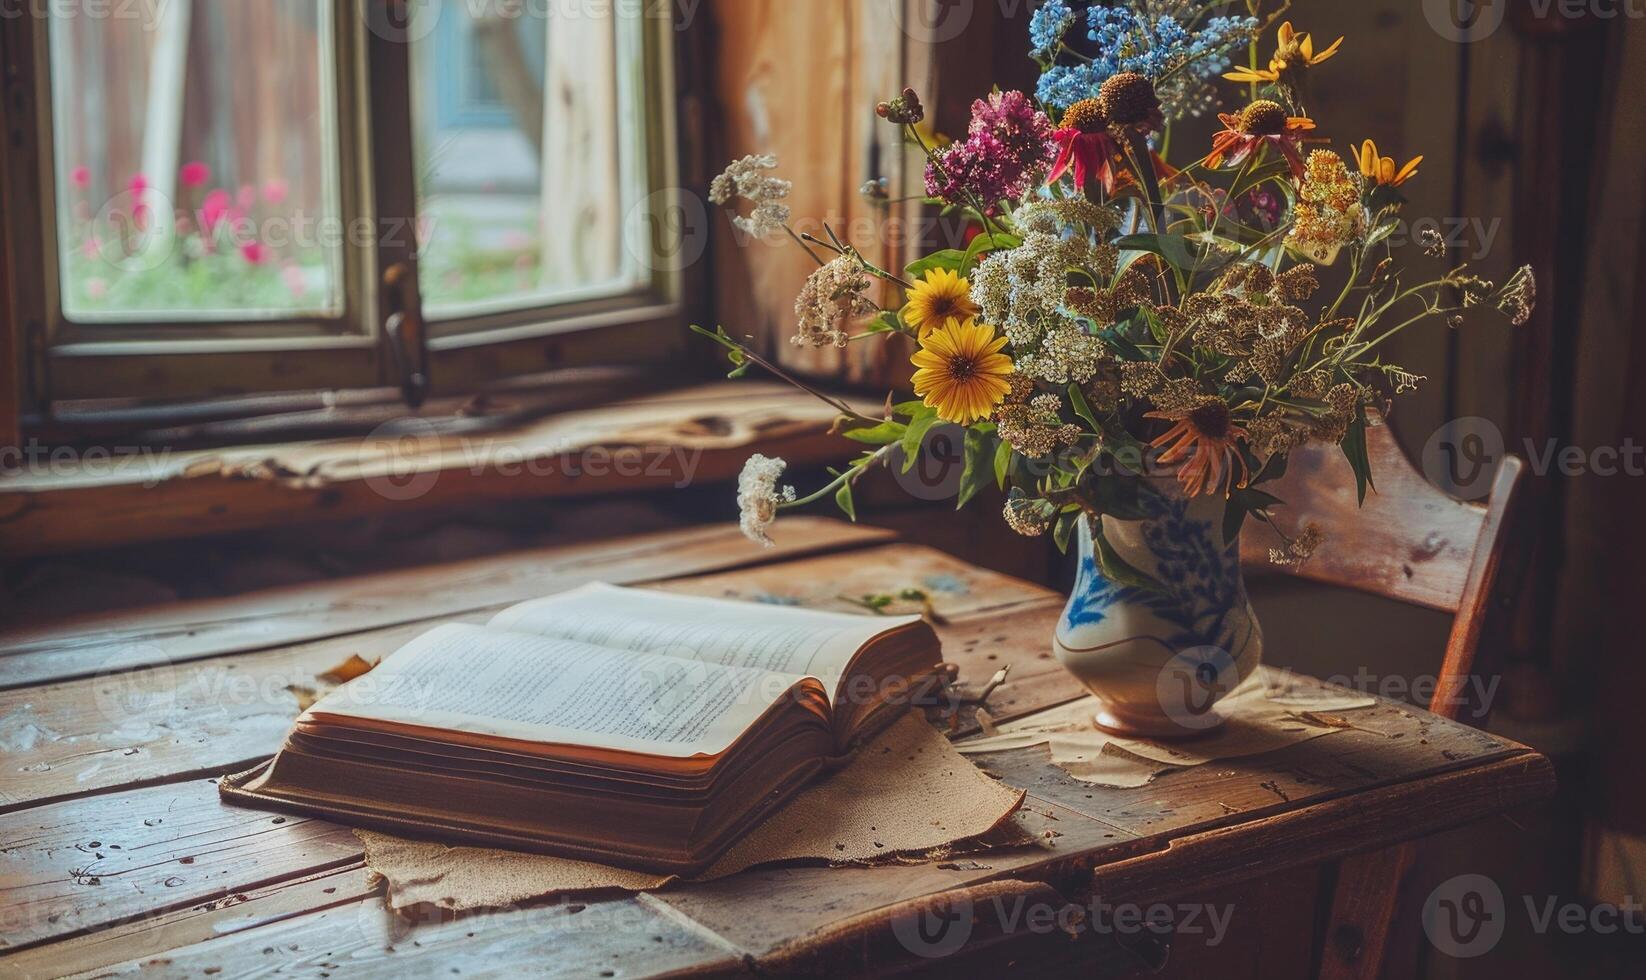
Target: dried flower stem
pixel 802 243
pixel 840 249
pixel 837 404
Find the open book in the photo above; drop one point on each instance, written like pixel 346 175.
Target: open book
pixel 624 726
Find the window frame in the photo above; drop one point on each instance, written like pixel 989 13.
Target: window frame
pixel 163 361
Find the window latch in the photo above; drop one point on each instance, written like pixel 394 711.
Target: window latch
pixel 408 340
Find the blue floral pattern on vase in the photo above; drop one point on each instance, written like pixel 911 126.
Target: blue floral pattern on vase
pixel 1120 639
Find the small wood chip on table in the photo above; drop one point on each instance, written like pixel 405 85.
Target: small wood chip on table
pixel 118 855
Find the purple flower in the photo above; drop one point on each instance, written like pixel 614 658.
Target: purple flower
pixel 1008 143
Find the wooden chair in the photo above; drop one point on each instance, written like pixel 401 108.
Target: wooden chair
pixel 1412 543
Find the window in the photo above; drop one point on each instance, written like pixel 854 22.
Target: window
pixel 305 194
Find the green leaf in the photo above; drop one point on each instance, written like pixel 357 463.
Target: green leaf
pixel 1122 498
pixel 987 243
pixel 1243 503
pixel 1258 499
pixel 951 259
pixel 1002 463
pixel 979 455
pixel 1062 530
pixel 1116 569
pixel 718 334
pixel 1123 345
pixel 1077 401
pixel 1384 196
pixel 1274 469
pixel 843 498
pixel 911 408
pixel 915 436
pixel 1157 326
pixel 1128 452
pixel 1177 250
pixel 886 322
pixel 734 350
pixel 883 434
pixel 1354 447
pixel 1381 232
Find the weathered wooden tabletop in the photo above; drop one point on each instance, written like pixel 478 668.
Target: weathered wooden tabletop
pixel 116 855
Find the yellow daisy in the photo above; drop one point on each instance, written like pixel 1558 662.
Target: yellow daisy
pixel 1294 53
pixel 940 296
pixel 1381 169
pixel 962 373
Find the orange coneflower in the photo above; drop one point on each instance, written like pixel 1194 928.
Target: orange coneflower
pixel 1381 169
pixel 1294 54
pixel 1262 122
pixel 1205 436
pixel 962 373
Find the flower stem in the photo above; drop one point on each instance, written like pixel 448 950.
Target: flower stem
pixel 837 404
pixel 849 476
pixel 802 243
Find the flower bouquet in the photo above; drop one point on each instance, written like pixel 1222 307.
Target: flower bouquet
pixel 1132 348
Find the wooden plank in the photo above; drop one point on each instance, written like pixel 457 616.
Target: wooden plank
pixel 617 937
pixel 142 727
pixel 183 631
pixel 1409 541
pixel 647 443
pixel 581 195
pixel 1355 824
pixel 1389 744
pixel 954 587
pixel 151 935
pixel 223 714
pixel 87 864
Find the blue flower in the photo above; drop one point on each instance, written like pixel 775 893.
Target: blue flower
pixel 1124 39
pixel 1064 85
pixel 1047 27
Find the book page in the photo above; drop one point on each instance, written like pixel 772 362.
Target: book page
pixel 482 681
pixel 781 639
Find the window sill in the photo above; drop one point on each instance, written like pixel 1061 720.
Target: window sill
pixel 659 441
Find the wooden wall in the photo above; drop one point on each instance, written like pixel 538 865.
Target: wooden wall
pixel 801 80
pixel 1597 639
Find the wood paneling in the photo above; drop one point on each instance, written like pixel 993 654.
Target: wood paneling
pixel 801 80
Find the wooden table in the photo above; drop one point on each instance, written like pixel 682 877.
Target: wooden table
pixel 116 853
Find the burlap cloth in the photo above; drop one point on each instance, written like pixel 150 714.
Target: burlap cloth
pixel 908 793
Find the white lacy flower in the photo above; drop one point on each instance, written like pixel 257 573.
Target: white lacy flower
pixel 758 496
pixel 1022 291
pixel 744 178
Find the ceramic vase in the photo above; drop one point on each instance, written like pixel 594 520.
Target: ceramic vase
pixel 1159 653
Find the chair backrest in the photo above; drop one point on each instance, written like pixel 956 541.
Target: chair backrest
pixel 1410 542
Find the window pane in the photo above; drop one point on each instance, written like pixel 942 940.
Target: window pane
pixel 197 161
pixel 522 197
